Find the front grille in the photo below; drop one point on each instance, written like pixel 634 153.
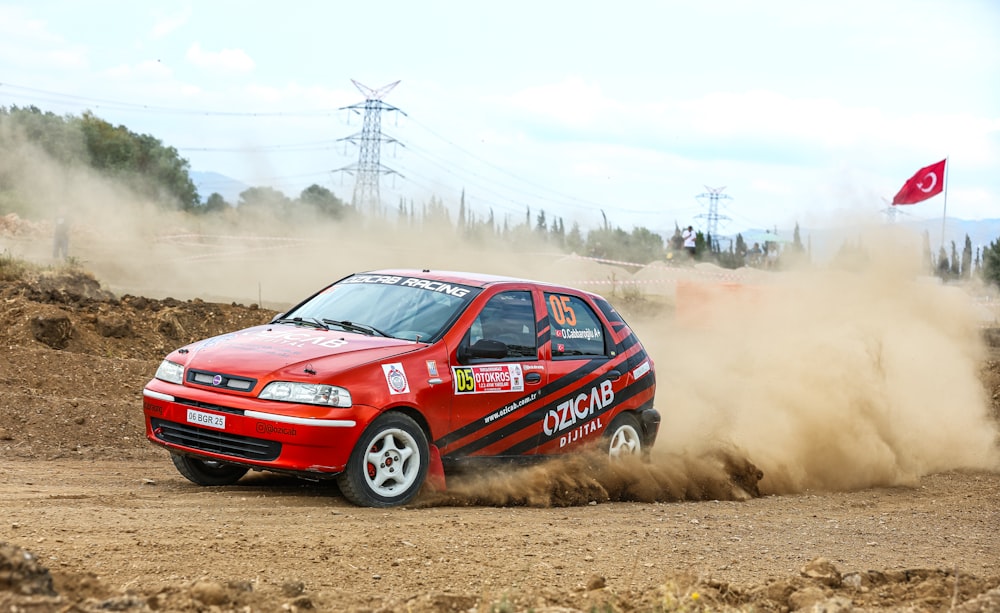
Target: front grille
pixel 221 380
pixel 215 441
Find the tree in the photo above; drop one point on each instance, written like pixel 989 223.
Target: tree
pixel 214 204
pixel 259 198
pixel 325 202
pixel 139 161
pixel 967 258
pixel 541 226
pixel 991 263
pixel 797 246
pixel 943 267
pixel 574 240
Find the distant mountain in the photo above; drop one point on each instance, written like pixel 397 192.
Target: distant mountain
pixel 208 183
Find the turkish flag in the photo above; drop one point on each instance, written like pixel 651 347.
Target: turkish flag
pixel 927 182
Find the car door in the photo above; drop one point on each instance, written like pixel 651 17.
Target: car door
pixel 497 380
pixel 583 378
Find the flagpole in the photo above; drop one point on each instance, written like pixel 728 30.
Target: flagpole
pixel 944 212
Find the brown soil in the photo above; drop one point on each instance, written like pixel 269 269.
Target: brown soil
pixel 94 518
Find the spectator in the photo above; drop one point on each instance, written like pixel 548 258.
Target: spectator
pixel 689 240
pixel 60 242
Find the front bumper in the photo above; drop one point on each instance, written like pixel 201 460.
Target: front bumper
pixel 251 432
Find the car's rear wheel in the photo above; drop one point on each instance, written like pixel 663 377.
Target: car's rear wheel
pixel 623 438
pixel 388 465
pixel 207 472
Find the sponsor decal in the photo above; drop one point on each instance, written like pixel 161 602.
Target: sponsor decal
pixel 292 338
pixel 266 428
pixel 152 408
pixel 489 378
pixel 435 286
pixel 378 279
pixel 432 368
pixel 579 408
pixel 533 366
pixel 587 333
pixel 395 376
pixel 640 370
pixel 517 404
pixel 215 340
pixel 588 428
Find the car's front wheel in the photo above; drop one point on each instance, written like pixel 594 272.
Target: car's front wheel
pixel 622 437
pixel 388 465
pixel 207 472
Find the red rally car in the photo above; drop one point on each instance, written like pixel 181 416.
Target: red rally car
pixel 385 379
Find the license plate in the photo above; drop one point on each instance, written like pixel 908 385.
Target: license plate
pixel 206 419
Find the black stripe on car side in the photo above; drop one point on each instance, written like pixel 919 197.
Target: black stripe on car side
pixel 541 331
pixel 528 444
pixel 622 359
pixel 536 414
pixel 478 424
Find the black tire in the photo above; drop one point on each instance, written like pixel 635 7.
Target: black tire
pixel 624 436
pixel 207 472
pixel 388 466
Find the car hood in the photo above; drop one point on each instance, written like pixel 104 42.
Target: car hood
pixel 258 351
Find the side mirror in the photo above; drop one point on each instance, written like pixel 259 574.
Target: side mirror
pixel 488 349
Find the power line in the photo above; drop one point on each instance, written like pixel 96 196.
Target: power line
pixel 509 195
pixel 147 108
pixel 713 194
pixel 369 167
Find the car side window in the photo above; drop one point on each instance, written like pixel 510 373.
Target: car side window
pixel 509 318
pixel 575 328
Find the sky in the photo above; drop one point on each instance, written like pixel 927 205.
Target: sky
pixel 794 112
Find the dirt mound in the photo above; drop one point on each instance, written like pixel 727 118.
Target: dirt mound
pixel 76 358
pixel 67 309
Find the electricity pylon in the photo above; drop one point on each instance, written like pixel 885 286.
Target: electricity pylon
pixel 713 194
pixel 369 167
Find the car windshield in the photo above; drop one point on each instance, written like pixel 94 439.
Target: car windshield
pixel 401 307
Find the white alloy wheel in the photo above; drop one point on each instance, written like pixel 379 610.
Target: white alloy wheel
pixel 623 437
pixel 393 463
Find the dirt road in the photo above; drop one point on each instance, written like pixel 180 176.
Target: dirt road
pixel 93 518
pixel 137 534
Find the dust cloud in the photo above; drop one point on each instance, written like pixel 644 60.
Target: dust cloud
pixel 589 477
pixel 838 378
pixel 823 378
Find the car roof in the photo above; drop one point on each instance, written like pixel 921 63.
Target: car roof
pixel 473 279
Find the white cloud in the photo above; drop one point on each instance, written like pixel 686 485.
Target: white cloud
pixel 16 25
pixel 67 59
pixel 28 43
pixel 149 70
pixel 226 60
pixel 166 24
pixel 572 101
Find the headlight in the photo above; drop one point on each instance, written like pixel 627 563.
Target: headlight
pixel 172 372
pixel 306 393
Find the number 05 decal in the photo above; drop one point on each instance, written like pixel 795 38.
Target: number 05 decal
pixel 562 312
